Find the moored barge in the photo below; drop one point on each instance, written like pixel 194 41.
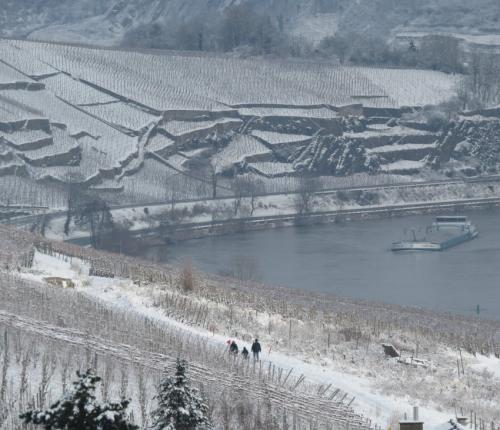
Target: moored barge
pixel 445 232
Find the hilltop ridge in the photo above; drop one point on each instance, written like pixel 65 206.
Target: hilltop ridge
pixel 106 22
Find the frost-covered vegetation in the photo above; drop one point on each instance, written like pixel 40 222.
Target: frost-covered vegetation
pixel 127 319
pixel 130 347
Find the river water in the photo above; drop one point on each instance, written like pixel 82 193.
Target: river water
pixel 353 260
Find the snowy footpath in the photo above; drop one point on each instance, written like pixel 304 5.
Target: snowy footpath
pixel 368 401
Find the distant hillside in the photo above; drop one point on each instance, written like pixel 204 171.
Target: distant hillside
pixel 106 21
pixel 126 123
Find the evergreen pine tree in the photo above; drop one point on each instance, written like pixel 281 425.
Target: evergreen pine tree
pixel 180 407
pixel 79 410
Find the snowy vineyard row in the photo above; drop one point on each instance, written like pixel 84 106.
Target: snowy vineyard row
pixel 131 338
pixel 319 327
pixel 106 111
pixel 176 82
pixel 455 330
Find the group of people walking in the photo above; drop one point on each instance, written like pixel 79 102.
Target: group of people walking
pixel 256 349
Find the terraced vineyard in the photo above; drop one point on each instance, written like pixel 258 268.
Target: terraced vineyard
pixel 128 122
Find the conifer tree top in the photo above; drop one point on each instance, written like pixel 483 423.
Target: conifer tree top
pixel 180 407
pixel 79 410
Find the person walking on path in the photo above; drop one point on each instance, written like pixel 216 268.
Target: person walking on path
pixel 233 349
pixel 244 352
pixel 256 349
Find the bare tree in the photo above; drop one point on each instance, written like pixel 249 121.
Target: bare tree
pixel 75 191
pixel 249 188
pixel 305 194
pixel 441 53
pixel 240 190
pixel 206 168
pixel 256 189
pixel 464 95
pixel 338 46
pixel 94 212
pixel 173 186
pixel 482 86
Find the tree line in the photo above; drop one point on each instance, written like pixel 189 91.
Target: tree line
pixel 242 29
pixel 239 27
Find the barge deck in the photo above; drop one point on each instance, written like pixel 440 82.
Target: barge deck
pixel 444 233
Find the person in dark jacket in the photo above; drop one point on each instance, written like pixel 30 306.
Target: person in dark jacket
pixel 244 352
pixel 233 348
pixel 256 349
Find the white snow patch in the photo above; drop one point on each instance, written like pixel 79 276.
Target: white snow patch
pixel 123 293
pixel 488 363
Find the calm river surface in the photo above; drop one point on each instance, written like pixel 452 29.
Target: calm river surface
pixel 353 260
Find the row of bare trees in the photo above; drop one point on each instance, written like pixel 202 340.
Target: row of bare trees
pixel 481 86
pixel 86 208
pixel 246 189
pixel 239 26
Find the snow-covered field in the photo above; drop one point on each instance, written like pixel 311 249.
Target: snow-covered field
pixel 403 166
pixel 274 138
pixel 202 82
pixel 342 348
pixel 394 83
pixel 129 344
pixel 240 149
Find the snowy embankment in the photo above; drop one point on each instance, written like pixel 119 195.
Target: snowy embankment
pixel 361 371
pixel 201 212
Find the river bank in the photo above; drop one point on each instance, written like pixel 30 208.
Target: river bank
pixel 170 223
pixel 182 232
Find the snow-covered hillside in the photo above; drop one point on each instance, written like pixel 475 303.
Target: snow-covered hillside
pixel 125 123
pixel 143 128
pixel 322 360
pixel 105 22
